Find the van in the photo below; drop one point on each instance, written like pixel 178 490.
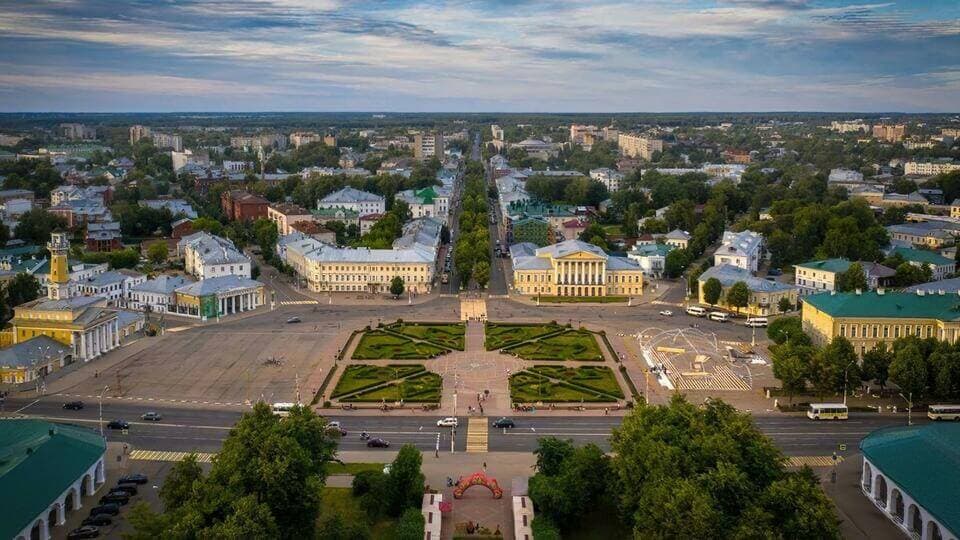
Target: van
pixel 719 316
pixel 944 412
pixel 827 411
pixel 696 311
pixel 283 409
pixel 756 322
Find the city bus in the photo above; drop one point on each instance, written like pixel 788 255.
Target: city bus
pixel 283 409
pixel 944 412
pixel 827 411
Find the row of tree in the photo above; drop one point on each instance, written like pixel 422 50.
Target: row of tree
pixel 471 255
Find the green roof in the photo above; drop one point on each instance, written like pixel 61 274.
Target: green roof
pixel 903 305
pixel 922 256
pixel 38 462
pixel 427 194
pixel 828 265
pixel 925 462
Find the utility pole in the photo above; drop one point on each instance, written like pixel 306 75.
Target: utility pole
pixel 105 388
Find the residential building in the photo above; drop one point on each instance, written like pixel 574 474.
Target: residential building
pixel 157 294
pixel 104 236
pixel 821 276
pixel 94 194
pixel 48 469
pixel 765 295
pixel 207 256
pixel 429 201
pixel 78 213
pixel 421 233
pixel 300 138
pixel 573 268
pixel 889 132
pixel 608 177
pixel 138 132
pixel 77 132
pixel 114 286
pixel 941 266
pixel 349 198
pixel 312 229
pixel 638 146
pixel 239 205
pixel 845 176
pixel 743 249
pixel 368 221
pixel 180 228
pixel 927 234
pixel 733 155
pixel 218 296
pixel 573 228
pixel 849 126
pixel 286 214
pixel 579 133
pixel 344 215
pixel 427 145
pixel 33 359
pixel 930 168
pixel 910 474
pixel 167 141
pixel 652 258
pixel 8 194
pixel 266 141
pixel 538 149
pixel 497 132
pixel 234 167
pixel 677 238
pixel 181 161
pixel 177 207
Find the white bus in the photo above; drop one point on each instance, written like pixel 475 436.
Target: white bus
pixel 719 316
pixel 944 412
pixel 283 409
pixel 756 322
pixel 696 311
pixel 827 411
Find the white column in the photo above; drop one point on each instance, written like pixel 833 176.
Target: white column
pixel 83 346
pixel 116 327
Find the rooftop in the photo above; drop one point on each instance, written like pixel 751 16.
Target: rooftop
pixel 350 195
pixel 35 349
pixel 729 274
pixel 921 256
pixel 875 304
pixel 218 285
pixel 161 284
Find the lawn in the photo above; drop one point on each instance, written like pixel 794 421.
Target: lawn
pixel 444 335
pixel 358 377
pixel 352 468
pixel 340 501
pixel 598 378
pixel 380 345
pixel 422 388
pixel 583 299
pixel 570 345
pixel 529 387
pixel 501 335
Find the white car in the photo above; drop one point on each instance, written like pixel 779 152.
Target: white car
pixel 667 313
pixel 450 421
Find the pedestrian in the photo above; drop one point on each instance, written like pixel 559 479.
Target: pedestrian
pixel 484 466
pixel 481 409
pixel 436 452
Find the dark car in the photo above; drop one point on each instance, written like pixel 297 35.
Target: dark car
pixel 115 498
pixel 292 320
pixel 378 443
pixel 73 405
pixel 118 424
pixel 774 272
pixel 108 508
pixel 120 492
pixel 126 487
pixel 98 520
pixel 504 423
pixel 151 416
pixel 135 478
pixel 87 531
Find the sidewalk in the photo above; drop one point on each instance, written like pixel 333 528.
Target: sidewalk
pixel 860 518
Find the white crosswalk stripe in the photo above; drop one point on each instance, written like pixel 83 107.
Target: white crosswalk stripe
pixel 159 455
pixel 298 302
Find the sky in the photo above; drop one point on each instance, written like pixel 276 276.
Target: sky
pixel 479 55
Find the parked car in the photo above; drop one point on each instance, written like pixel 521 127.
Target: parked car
pixel 98 520
pixel 135 478
pixel 120 492
pixel 667 313
pixel 73 405
pixel 87 531
pixel 450 421
pixel 774 272
pixel 378 443
pixel 110 509
pixel 126 487
pixel 115 498
pixel 292 320
pixel 151 416
pixel 118 424
pixel 504 423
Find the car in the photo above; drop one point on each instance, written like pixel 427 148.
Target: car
pixel 335 427
pixel 774 272
pixel 73 405
pixel 109 509
pixel 378 443
pixel 450 421
pixel 129 489
pixel 115 498
pixel 98 520
pixel 120 492
pixel 504 423
pixel 292 320
pixel 87 531
pixel 667 313
pixel 118 424
pixel 151 416
pixel 135 478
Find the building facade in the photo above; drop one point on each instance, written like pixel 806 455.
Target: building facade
pixel 743 249
pixel 573 268
pixel 286 214
pixel 764 298
pixel 929 168
pixel 208 256
pixel 638 146
pixel 361 202
pixel 238 205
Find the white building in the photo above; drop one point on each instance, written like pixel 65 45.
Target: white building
pixel 432 201
pixel 237 166
pixel 929 168
pixel 156 294
pixel 361 202
pixel 114 285
pixel 207 256
pixel 608 177
pixel 177 207
pixel 849 126
pixel 743 250
pixel 840 175
pixel 166 140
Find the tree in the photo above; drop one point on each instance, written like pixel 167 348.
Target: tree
pixel 544 529
pixel 876 364
pixel 396 286
pixel 22 289
pixel 411 525
pixel 786 329
pixel 791 370
pixel 675 262
pixel 712 289
pixel 207 224
pixel 586 467
pixel 909 371
pixel 738 295
pixel 832 366
pixel 481 273
pixel 784 304
pixel 404 486
pixel 157 253
pixel 36 225
pixel 178 487
pixel 853 279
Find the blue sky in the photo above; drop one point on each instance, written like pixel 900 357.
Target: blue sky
pixel 479 55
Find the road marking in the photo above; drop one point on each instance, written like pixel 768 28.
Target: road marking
pixel 477 434
pixel 813 461
pixel 298 302
pixel 27 406
pixel 159 455
pixel 95 421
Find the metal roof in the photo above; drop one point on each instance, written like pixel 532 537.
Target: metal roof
pixel 729 274
pixel 902 305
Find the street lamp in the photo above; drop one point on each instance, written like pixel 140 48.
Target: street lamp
pixel 100 400
pixel 909 399
pixel 844 379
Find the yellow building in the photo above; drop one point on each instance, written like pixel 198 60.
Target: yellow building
pixel 764 296
pixel 573 268
pixel 869 318
pixel 32 359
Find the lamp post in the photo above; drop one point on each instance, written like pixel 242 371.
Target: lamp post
pixel 100 401
pixel 845 381
pixel 909 399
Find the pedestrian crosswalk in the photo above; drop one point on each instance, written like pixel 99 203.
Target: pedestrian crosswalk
pixel 159 455
pixel 298 302
pixel 813 461
pixel 477 434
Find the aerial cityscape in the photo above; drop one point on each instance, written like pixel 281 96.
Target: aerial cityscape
pixel 480 270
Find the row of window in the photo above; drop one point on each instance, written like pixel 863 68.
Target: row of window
pixel 363 268
pixel 368 279
pixel 884 331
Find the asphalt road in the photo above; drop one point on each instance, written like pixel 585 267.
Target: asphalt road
pixel 203 430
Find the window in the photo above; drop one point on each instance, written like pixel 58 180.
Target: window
pixel 843 330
